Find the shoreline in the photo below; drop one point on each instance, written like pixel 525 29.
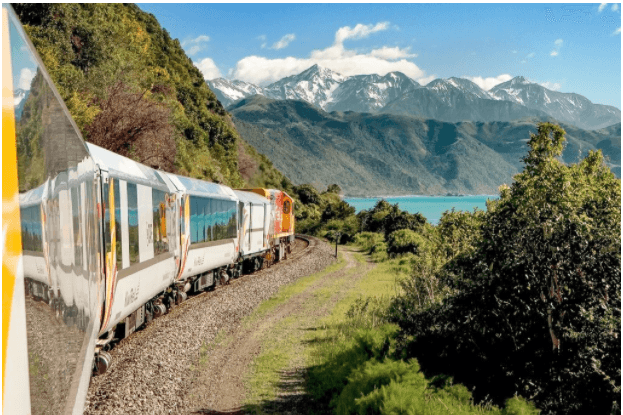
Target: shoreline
pixel 414 196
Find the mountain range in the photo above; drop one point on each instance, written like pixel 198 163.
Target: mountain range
pixel 450 100
pixel 391 154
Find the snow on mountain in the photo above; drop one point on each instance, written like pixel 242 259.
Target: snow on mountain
pixel 397 93
pixel 566 107
pixel 370 93
pixel 314 85
pixel 229 92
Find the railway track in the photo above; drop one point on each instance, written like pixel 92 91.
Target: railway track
pixel 154 370
pixel 301 244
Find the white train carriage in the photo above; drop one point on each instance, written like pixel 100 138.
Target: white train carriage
pixel 255 218
pixel 140 234
pixel 209 232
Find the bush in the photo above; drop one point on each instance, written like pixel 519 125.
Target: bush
pixel 405 241
pixel 536 306
pixel 378 252
pixel 386 218
pixel 366 240
pixel 307 194
pixel 399 387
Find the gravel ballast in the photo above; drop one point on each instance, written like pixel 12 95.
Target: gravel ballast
pixel 152 371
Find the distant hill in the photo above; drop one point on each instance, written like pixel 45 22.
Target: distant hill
pixel 387 154
pixel 452 99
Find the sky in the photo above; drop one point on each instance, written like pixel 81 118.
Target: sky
pixel 564 47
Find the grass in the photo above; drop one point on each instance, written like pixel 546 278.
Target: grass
pixel 339 338
pixel 288 291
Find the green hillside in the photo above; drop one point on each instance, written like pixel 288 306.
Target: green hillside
pixel 386 154
pixel 131 88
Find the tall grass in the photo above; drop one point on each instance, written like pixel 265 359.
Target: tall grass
pixel 355 365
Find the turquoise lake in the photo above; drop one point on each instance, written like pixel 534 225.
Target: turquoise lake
pixel 430 206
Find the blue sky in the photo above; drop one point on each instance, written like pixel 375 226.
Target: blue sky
pixel 565 47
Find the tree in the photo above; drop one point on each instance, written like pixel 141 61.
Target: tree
pixel 537 304
pixel 134 126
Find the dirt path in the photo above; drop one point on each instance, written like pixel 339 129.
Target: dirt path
pixel 222 377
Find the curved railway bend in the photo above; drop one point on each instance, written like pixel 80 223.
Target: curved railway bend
pixel 153 370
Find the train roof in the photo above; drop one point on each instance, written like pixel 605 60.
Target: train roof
pixel 126 169
pixel 250 197
pixel 198 187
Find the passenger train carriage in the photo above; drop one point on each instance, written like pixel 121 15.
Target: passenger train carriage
pixel 209 231
pixel 95 244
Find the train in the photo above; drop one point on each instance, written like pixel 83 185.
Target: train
pixel 96 244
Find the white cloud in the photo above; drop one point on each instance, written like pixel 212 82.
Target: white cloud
pixel 196 45
pixel 25 78
pixel 392 53
pixel 358 32
pixel 208 68
pixel 425 80
pixel 554 86
pixel 523 61
pixel 602 6
pixel 557 45
pixel 261 71
pixel 513 51
pixel 616 32
pixel 194 49
pixel 615 7
pixel 261 37
pixel 490 82
pixel 284 41
pixel 530 55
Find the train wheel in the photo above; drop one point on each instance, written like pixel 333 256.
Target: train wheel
pixel 181 296
pixel 102 363
pixel 159 309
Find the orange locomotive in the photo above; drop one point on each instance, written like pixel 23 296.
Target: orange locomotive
pixel 281 230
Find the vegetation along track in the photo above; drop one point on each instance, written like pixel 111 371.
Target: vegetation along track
pixel 156 369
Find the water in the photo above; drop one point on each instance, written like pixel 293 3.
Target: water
pixel 430 206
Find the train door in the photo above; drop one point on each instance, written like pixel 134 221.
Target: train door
pixel 287 214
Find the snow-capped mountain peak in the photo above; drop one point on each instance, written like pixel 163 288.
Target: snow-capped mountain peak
pixel 443 99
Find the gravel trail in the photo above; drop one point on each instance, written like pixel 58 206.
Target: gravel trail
pixel 153 371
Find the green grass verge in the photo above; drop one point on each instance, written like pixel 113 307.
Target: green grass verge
pixel 353 364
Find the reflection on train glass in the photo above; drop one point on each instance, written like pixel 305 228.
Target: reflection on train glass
pixel 58 209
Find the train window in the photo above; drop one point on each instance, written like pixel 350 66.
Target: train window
pixel 212 219
pixel 161 245
pixel 133 223
pixel 209 220
pixel 77 224
pixel 118 223
pixel 232 228
pixel 31 229
pixel 286 206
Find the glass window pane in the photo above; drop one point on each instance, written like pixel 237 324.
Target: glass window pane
pixel 117 209
pixel 133 223
pixel 159 206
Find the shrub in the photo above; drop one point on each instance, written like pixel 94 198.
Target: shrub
pixel 387 218
pixel 404 241
pixel 366 240
pixel 536 309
